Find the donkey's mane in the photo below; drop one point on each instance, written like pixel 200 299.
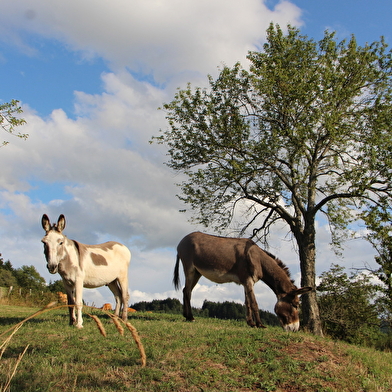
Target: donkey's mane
pixel 281 265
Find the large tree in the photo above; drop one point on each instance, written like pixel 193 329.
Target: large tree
pixel 307 129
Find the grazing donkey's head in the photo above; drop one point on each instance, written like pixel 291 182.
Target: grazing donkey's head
pixel 54 242
pixel 287 308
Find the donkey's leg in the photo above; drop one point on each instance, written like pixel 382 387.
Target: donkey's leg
pixel 70 290
pixel 249 316
pixel 79 303
pixel 123 285
pixel 71 309
pixel 192 276
pixel 115 289
pixel 252 309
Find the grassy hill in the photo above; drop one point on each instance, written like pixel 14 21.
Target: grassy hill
pixel 208 355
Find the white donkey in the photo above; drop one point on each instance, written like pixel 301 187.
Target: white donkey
pixel 87 266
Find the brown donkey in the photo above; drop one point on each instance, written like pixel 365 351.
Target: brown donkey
pixel 238 260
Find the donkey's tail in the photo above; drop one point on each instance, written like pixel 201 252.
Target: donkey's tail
pixel 176 277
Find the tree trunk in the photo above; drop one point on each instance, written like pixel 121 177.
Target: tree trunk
pixel 307 253
pixel 310 312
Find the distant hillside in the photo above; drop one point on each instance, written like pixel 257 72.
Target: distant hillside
pixel 221 310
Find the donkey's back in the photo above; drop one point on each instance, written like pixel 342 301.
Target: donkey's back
pixel 219 259
pixel 103 263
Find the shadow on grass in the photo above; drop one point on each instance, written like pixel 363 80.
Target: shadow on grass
pixel 5 321
pixel 85 381
pixel 13 352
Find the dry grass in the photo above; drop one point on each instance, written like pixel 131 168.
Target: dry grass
pixel 139 344
pixel 50 307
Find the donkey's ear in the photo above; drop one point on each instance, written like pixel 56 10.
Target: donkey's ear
pixel 45 222
pixel 303 290
pixel 61 223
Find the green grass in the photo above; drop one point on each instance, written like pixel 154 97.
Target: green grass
pixel 208 355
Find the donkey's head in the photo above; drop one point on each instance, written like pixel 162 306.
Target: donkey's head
pixel 287 309
pixel 54 247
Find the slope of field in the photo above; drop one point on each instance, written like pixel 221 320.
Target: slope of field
pixel 208 355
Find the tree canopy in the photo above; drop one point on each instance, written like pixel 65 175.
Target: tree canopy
pixel 7 277
pixel 305 130
pixel 347 305
pixel 29 278
pixel 26 277
pixel 378 220
pixel 236 311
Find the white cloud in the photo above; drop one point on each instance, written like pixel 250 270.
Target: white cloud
pixel 163 38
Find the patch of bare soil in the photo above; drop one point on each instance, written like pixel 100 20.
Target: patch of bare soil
pixel 324 361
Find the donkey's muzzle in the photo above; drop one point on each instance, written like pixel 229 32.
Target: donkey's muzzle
pixel 293 327
pixel 52 268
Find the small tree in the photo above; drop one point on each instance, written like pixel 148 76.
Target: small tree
pixel 307 130
pixel 5 265
pixel 347 305
pixel 378 221
pixel 56 286
pixel 8 120
pixel 29 278
pixel 7 277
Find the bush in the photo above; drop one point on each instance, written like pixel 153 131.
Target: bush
pixel 347 306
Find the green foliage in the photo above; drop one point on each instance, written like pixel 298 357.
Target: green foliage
pixel 56 286
pixel 347 306
pixel 235 311
pixel 168 305
pixel 26 277
pixel 8 120
pixel 28 286
pixel 378 221
pixel 307 129
pixel 308 118
pixel 7 277
pixel 29 278
pixel 224 310
pixel 5 265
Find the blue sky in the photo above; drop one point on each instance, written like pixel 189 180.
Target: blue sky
pixel 90 81
pixel 48 78
pixel 47 75
pixel 367 20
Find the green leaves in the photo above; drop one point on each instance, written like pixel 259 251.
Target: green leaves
pixel 378 221
pixel 347 305
pixel 8 121
pixel 306 125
